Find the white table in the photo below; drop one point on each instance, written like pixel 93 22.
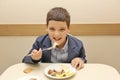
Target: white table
pixel 89 72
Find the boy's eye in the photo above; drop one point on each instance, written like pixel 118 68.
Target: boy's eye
pixel 62 29
pixel 51 29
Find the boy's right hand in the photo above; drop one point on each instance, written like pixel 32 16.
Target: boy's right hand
pixel 36 54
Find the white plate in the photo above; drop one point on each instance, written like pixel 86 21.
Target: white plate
pixel 29 77
pixel 67 67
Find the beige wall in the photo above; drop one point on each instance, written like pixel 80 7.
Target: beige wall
pixel 82 11
pixel 99 49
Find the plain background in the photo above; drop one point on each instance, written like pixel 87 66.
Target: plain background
pixel 99 49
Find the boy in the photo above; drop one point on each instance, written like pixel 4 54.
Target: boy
pixel 68 50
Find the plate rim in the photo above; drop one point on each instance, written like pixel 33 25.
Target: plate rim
pixel 57 64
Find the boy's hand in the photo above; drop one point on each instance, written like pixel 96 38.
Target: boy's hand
pixel 36 55
pixel 77 63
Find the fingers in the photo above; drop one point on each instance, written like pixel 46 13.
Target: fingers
pixel 34 51
pixel 74 64
pixel 81 65
pixel 36 54
pixel 77 63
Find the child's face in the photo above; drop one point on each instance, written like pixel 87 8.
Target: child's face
pixel 57 31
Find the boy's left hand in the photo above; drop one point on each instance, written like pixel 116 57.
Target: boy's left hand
pixel 77 63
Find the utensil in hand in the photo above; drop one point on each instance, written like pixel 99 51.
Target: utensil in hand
pixel 53 46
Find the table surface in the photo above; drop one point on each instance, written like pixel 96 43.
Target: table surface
pixel 89 72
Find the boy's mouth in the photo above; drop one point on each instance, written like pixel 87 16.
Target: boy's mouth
pixel 57 39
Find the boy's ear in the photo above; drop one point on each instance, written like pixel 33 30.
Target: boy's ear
pixel 69 29
pixel 46 29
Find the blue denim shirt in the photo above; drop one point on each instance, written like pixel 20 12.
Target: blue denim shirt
pixel 75 49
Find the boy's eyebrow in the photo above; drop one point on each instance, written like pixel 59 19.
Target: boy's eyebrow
pixel 61 27
pixel 51 28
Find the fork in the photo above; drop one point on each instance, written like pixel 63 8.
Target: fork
pixel 47 48
pixel 43 50
pixel 53 46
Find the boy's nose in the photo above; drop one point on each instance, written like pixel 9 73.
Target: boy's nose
pixel 56 33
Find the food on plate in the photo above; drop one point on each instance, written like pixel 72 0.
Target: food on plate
pixel 28 70
pixel 64 71
pixel 55 72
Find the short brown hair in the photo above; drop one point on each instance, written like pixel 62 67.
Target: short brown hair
pixel 58 14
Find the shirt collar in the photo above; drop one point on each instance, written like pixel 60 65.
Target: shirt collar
pixel 65 46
